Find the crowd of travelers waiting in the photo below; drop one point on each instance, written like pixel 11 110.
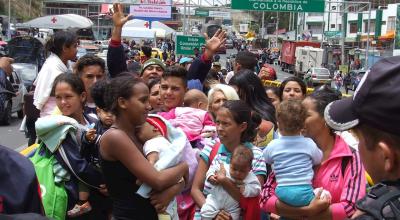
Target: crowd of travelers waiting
pixel 181 143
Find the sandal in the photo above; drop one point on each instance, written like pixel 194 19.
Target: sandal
pixel 79 209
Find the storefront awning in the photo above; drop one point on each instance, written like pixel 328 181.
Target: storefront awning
pixel 364 38
pixel 387 37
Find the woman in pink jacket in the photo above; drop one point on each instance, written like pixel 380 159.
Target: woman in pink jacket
pixel 340 172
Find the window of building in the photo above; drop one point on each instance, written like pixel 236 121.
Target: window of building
pixel 315 28
pixel 340 27
pixel 315 14
pixel 333 25
pixel 371 26
pixel 94 10
pixel 333 8
pixel 391 23
pixel 353 27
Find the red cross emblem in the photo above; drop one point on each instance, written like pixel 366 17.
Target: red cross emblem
pixel 146 24
pixel 54 20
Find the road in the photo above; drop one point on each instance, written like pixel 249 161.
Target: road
pixel 11 137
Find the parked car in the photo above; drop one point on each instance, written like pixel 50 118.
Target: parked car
pixel 90 46
pixel 15 101
pixel 355 78
pixel 28 73
pixel 317 76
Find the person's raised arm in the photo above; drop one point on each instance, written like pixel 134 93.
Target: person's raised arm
pixel 116 145
pixel 115 54
pixel 119 19
pixel 201 66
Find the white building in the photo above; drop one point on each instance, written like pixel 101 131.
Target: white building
pixel 326 24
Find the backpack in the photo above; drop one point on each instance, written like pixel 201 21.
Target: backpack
pixel 382 202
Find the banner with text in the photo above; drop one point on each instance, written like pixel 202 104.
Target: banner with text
pixel 280 5
pixel 220 14
pixel 186 44
pixel 155 2
pixel 151 11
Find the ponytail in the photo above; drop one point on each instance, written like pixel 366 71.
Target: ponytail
pixel 60 39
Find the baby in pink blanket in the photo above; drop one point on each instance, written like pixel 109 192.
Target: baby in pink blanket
pixel 193 118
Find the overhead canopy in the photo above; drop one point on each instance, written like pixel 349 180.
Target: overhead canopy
pixel 161 29
pixel 65 21
pixel 137 32
pixel 159 25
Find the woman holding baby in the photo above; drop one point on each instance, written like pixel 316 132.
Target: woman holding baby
pixel 236 128
pixel 122 159
pixel 340 172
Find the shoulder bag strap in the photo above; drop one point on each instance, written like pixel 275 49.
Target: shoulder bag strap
pixel 66 161
pixel 213 153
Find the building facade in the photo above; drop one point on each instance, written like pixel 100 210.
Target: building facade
pixel 93 10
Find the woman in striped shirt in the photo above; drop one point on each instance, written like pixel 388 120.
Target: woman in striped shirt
pixel 235 126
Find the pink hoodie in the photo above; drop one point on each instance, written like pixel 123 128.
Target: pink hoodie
pixel 345 188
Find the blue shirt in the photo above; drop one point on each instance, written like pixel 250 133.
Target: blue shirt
pixel 292 159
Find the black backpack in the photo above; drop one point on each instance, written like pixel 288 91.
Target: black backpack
pixel 382 202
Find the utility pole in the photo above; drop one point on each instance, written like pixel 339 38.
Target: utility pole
pixel 9 20
pixel 277 27
pixel 368 30
pixel 184 18
pixel 262 24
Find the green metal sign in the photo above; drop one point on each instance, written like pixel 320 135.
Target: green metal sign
pixel 280 5
pixel 186 44
pixel 397 38
pixel 332 33
pixel 201 13
pixel 378 23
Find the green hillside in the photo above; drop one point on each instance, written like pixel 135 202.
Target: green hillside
pixel 22 10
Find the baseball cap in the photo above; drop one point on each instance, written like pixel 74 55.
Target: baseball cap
pixel 375 102
pixel 185 60
pixel 152 61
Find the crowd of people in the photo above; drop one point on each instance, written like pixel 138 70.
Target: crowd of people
pixel 185 142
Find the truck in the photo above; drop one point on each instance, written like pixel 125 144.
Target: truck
pixel 288 56
pixel 306 58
